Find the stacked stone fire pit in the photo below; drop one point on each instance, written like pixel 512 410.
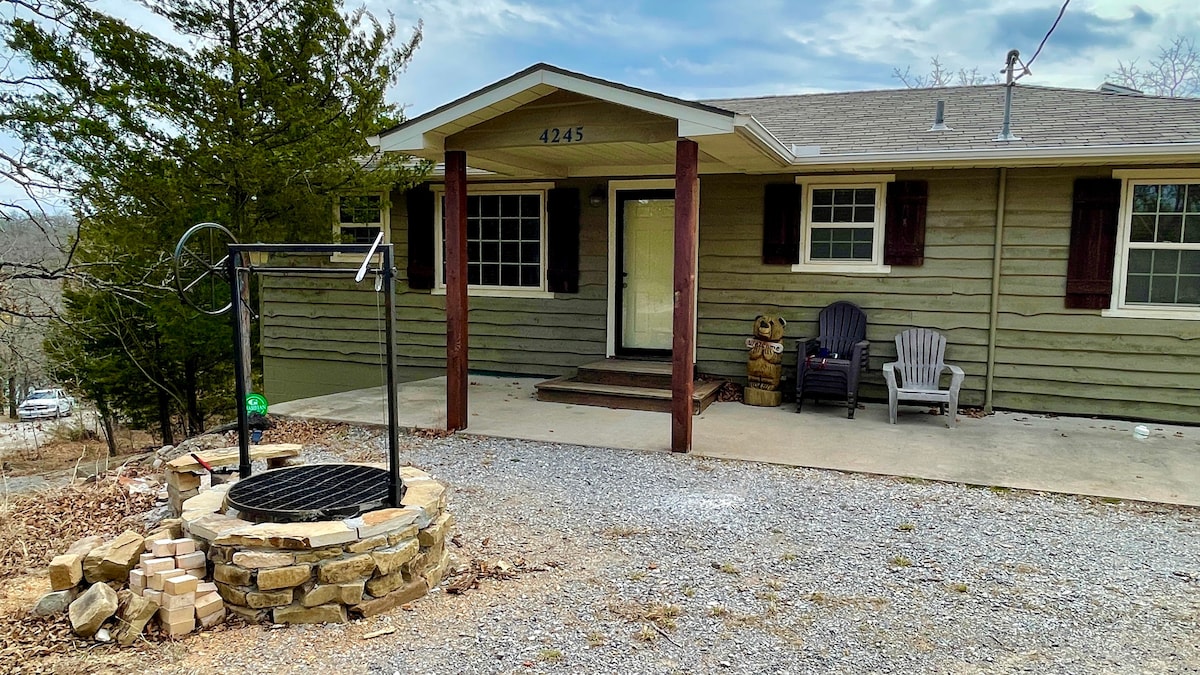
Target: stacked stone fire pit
pixel 324 570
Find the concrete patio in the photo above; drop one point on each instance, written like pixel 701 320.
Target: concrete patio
pixel 1073 455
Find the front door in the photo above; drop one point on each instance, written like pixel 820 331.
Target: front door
pixel 646 227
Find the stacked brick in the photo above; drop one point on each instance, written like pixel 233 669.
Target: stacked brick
pixel 164 573
pixel 171 574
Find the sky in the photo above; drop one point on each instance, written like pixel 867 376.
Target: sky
pixel 728 48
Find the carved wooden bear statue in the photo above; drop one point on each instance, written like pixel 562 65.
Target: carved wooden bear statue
pixel 765 367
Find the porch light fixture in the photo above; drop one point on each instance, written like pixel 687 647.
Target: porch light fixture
pixel 597 197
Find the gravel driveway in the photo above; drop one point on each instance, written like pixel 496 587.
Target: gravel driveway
pixel 659 563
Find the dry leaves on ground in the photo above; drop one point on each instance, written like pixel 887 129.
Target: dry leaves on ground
pixel 500 569
pixel 36 527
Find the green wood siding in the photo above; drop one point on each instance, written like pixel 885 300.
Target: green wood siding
pixel 1076 361
pixel 950 292
pixel 321 335
pixel 327 326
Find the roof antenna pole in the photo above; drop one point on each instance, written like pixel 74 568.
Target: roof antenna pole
pixel 1010 66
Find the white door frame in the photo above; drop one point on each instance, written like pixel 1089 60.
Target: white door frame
pixel 614 321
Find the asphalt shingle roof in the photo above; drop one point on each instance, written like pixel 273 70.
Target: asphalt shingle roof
pixel 898 120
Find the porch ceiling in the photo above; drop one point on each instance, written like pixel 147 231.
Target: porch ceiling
pixel 548 123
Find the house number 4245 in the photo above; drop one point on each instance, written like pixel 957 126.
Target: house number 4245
pixel 556 135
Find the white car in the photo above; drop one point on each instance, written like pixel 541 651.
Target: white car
pixel 45 403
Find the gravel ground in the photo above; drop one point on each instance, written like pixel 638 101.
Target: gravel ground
pixel 660 563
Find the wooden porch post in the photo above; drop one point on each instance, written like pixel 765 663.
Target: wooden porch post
pixel 456 290
pixel 687 217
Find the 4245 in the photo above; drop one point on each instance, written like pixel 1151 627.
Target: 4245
pixel 557 135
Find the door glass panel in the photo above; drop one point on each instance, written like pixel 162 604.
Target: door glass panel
pixel 648 255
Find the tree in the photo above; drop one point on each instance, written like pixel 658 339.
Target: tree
pixel 940 76
pixel 253 123
pixel 1174 72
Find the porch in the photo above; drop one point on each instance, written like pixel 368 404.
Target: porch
pixel 1074 455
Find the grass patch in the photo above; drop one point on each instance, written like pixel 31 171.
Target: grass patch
pixel 788 557
pixel 637 575
pixel 958 587
pixel 596 639
pixel 899 561
pixel 837 601
pixel 645 634
pixel 905 527
pixel 661 614
pixel 550 655
pixel 727 568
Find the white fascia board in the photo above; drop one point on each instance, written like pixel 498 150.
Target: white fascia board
pixel 1001 155
pixel 762 137
pixel 699 122
pixel 423 136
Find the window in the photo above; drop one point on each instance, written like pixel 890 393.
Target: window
pixel 1159 263
pixel 843 227
pixel 359 218
pixel 505 240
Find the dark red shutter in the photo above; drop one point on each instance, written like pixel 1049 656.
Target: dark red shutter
pixel 904 229
pixel 420 237
pixel 562 240
pixel 781 224
pixel 1097 203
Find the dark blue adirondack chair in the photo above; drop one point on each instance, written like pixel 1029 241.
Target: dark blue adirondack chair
pixel 832 364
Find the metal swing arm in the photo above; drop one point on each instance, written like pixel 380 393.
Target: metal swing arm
pixel 241 334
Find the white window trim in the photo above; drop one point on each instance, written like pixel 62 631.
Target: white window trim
pixel 385 216
pixel 1117 307
pixel 439 286
pixel 873 267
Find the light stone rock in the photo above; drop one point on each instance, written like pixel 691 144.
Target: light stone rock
pixel 92 609
pixel 364 545
pixel 132 614
pixel 434 575
pixel 331 613
pixel 390 559
pixel 435 534
pixel 429 496
pixel 318 555
pixel 283 577
pixel 233 594
pixel 55 602
pixel 401 535
pixel 265 599
pixel 208 501
pixel 320 594
pixel 231 574
pixel 113 560
pixel 84 546
pixel 383 521
pixel 248 615
pixel 290 536
pixel 213 619
pixel 346 570
pixel 254 560
pixel 213 526
pixel 407 593
pixel 381 586
pixel 66 571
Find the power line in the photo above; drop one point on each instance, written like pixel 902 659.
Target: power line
pixel 1047 37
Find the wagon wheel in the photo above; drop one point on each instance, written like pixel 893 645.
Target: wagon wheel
pixel 201 276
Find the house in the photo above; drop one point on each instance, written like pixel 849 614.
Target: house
pixel 598 219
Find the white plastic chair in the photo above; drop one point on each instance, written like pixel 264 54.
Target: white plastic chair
pixel 920 354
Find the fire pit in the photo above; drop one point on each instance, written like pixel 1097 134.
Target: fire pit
pixel 310 493
pixel 313 544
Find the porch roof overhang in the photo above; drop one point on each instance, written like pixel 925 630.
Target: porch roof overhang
pixel 626 131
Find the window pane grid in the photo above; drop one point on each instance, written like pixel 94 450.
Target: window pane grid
pixel 842 224
pixel 504 247
pixel 1163 256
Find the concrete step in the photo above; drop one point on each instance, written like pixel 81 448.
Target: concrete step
pixel 571 390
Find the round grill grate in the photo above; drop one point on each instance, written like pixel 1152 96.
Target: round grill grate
pixel 309 493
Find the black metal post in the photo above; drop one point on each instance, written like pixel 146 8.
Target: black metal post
pixel 395 484
pixel 241 361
